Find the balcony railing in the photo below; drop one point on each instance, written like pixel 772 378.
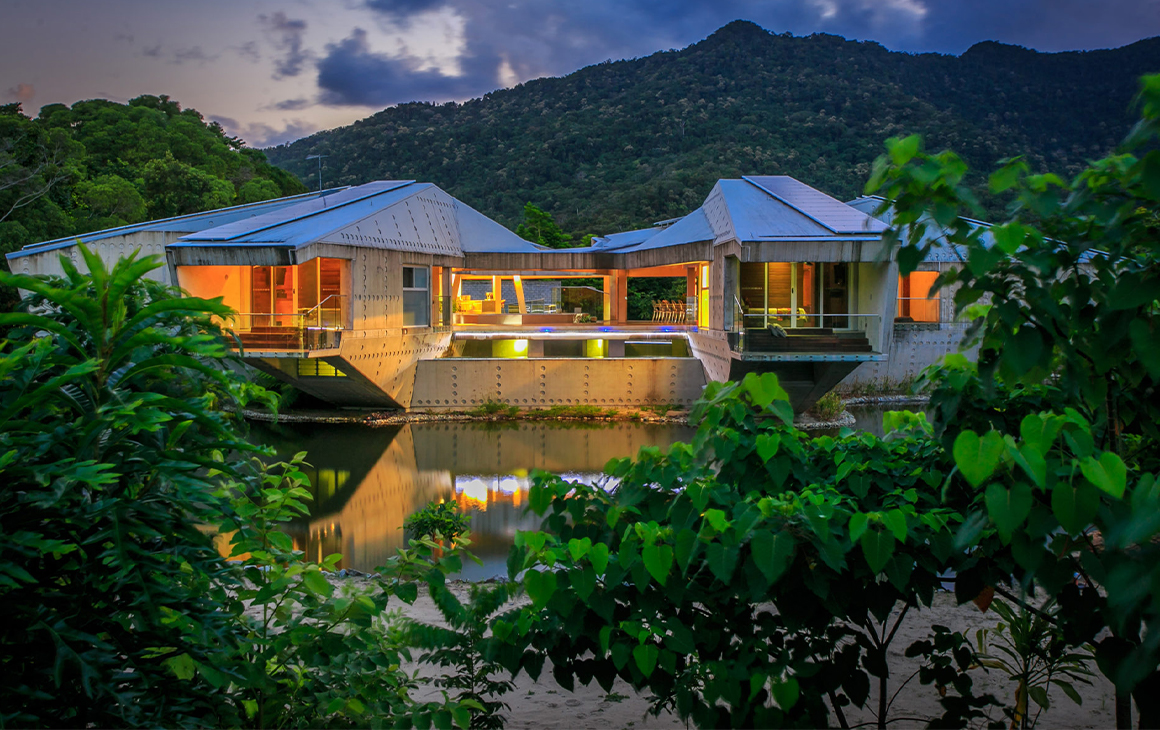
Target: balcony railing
pixel 813 333
pixel 317 328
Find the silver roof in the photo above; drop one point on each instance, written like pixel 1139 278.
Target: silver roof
pixel 181 224
pixel 941 251
pixel 833 214
pixel 400 215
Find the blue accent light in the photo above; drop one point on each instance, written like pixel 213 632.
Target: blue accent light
pixel 605 329
pixel 666 329
pixel 545 329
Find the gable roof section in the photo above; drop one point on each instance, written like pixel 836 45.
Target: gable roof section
pixel 400 215
pixel 693 228
pixel 830 213
pixel 182 224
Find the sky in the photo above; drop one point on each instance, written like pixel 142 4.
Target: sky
pixel 271 71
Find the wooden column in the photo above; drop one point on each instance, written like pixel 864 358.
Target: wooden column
pixel 621 293
pixel 518 283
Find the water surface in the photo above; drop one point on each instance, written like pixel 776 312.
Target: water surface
pixel 366 481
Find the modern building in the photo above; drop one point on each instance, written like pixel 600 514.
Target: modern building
pixel 370 296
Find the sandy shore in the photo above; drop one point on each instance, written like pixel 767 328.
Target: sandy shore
pixel 543 704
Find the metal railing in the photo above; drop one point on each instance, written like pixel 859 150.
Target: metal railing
pixel 317 328
pixel 821 330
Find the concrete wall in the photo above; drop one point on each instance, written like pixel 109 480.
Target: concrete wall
pixel 151 243
pixel 458 384
pixel 913 348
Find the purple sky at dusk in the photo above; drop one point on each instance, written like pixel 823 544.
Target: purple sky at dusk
pixel 271 71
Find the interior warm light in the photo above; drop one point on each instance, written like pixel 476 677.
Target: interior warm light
pixel 520 347
pixel 473 490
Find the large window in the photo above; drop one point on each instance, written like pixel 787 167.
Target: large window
pixel 416 302
pixel 916 300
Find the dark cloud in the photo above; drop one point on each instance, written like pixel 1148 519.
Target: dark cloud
pixel 249 51
pixel 22 93
pixel 508 41
pixel 351 74
pixel 401 11
pixel 264 135
pixel 124 38
pixel 152 51
pixel 290 105
pixel 193 54
pixel 286 35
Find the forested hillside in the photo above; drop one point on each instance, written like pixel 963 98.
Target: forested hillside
pixel 100 164
pixel 623 144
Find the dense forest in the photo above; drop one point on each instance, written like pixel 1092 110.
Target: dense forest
pixel 622 144
pixel 100 164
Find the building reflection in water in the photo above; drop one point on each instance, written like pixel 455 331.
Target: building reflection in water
pixel 367 481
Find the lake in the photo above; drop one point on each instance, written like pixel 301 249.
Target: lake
pixel 366 481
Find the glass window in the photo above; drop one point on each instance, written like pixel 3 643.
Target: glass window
pixel 917 301
pixel 416 304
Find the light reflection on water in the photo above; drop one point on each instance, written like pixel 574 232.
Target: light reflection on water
pixel 367 481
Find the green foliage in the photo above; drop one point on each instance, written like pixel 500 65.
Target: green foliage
pixel 437 521
pixel 494 409
pixel 582 412
pixel 619 146
pixel 643 291
pixel 754 577
pixel 1029 648
pixel 116 453
pixel 313 654
pixel 829 406
pixel 539 227
pixel 1056 427
pixel 111 591
pixel 100 164
pixel 462 646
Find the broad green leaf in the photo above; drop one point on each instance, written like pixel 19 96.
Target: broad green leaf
pixel 977 457
pixel 646 658
pixel 722 560
pixel 717 519
pixel 1075 506
pixel 772 553
pixel 598 556
pixel 903 150
pixel 1109 473
pixel 1039 432
pixel 858 523
pixel 877 546
pixel 785 693
pixel 895 521
pixel 540 585
pixel 1008 508
pixel 767 445
pixel 1146 346
pixel 658 559
pixel 317 583
pixel 182 666
pixel 579 548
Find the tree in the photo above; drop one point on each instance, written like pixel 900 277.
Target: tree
pixel 539 227
pixel 174 188
pixel 258 190
pixel 33 161
pixel 112 201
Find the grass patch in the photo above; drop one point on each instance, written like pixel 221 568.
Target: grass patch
pixel 829 406
pixel 582 412
pixel 494 409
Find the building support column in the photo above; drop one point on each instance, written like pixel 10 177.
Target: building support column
pixel 535 348
pixel 447 294
pixel 615 348
pixel 518 283
pixel 621 293
pixel 606 290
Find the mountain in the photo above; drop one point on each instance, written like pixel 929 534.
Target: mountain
pixel 622 144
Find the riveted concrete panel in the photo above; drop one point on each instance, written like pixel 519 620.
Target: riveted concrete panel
pixel 456 384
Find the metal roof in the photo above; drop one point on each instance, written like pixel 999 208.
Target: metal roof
pixel 181 224
pixel 615 241
pixel 940 251
pixel 693 228
pixel 829 212
pixel 393 214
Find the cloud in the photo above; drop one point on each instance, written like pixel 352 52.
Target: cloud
pixel 22 93
pixel 350 74
pixel 193 53
pixel 291 105
pixel 286 35
pixel 153 51
pixel 402 11
pixel 259 134
pixel 249 51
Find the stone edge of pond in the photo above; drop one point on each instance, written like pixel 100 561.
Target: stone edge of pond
pixel 392 418
pixel 877 400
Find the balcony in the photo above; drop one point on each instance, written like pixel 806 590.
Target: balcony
pixel 806 337
pixel 318 328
